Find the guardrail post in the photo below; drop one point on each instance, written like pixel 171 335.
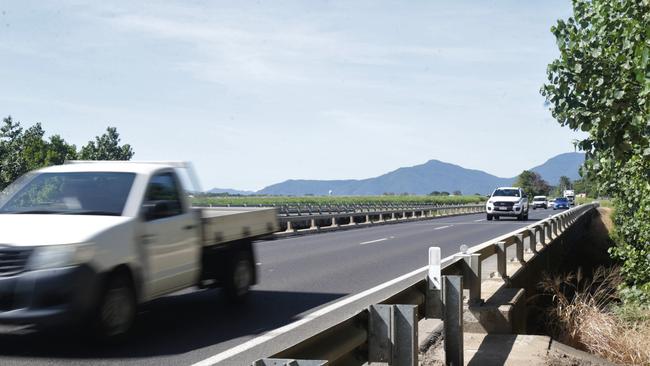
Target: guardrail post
pixel 313 225
pixel 501 260
pixel 542 233
pixel 379 333
pixel 334 222
pixel 392 216
pixel 393 334
pixel 406 335
pixel 290 229
pixel 472 276
pixel 453 319
pixel 520 248
pixel 352 220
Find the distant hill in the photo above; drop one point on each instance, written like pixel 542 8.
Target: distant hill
pixel 433 175
pixel 419 179
pixel 563 164
pixel 230 191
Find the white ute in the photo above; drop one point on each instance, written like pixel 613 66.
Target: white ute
pixel 85 243
pixel 507 201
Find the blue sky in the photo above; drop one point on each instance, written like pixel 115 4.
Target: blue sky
pixel 259 92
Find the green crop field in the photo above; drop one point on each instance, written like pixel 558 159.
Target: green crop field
pixel 334 200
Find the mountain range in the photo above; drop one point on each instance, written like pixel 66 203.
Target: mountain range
pixel 434 175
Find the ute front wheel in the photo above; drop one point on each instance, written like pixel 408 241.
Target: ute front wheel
pixel 117 308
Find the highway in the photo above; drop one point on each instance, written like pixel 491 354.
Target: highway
pixel 300 276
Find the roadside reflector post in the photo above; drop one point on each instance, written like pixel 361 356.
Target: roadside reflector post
pixel 433 298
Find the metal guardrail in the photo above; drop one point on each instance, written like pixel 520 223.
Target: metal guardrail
pixel 302 210
pixel 317 222
pixel 387 332
pixel 295 220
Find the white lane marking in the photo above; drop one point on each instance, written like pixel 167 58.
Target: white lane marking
pixel 479 220
pixel 443 227
pixel 373 241
pixel 309 317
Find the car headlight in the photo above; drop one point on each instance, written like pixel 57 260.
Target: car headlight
pixel 57 256
pixel 490 202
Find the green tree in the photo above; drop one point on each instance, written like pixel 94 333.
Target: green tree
pixel 434 193
pixel 22 150
pixel 565 183
pixel 600 84
pixel 106 147
pixel 532 184
pixel 457 193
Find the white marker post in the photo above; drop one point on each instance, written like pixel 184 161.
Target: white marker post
pixel 433 308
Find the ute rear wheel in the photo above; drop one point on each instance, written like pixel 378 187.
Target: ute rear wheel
pixel 240 278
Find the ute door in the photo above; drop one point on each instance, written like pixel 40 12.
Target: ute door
pixel 169 238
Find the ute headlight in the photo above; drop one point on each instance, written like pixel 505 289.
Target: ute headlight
pixel 57 256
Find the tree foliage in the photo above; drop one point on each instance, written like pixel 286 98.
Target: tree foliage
pixel 532 183
pixel 565 183
pixel 106 147
pixel 600 84
pixel 22 150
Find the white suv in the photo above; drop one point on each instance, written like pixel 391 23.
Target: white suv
pixel 507 201
pixel 540 201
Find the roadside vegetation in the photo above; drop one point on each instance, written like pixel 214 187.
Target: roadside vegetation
pixel 334 200
pixel 588 314
pixel 600 84
pixel 25 149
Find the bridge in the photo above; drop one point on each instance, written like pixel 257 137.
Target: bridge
pixel 313 285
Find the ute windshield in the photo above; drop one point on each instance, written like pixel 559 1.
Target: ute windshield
pixel 80 193
pixel 506 193
pixel 539 199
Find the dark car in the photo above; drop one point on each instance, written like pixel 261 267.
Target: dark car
pixel 561 203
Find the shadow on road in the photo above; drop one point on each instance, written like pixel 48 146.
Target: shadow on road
pixel 175 324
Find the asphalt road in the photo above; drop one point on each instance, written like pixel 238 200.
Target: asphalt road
pixel 299 276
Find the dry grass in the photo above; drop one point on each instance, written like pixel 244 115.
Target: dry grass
pixel 583 318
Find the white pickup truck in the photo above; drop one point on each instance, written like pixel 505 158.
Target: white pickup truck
pixel 507 201
pixel 89 241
